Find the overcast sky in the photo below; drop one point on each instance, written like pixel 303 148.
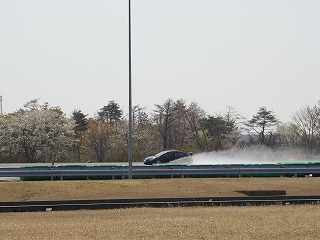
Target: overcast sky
pixel 218 53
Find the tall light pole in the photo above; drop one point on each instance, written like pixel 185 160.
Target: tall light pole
pixel 130 103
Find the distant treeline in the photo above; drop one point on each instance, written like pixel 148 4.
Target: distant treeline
pixel 41 133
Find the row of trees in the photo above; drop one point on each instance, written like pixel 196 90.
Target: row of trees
pixel 41 133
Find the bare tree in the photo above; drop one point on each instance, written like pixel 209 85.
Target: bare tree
pixel 98 138
pixel 235 119
pixel 139 116
pixel 180 126
pixel 307 120
pixel 288 135
pixel 163 117
pixel 173 123
pixel 194 114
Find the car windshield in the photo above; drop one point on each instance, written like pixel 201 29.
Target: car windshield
pixel 160 153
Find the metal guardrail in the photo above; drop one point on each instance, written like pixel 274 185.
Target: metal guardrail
pixel 164 171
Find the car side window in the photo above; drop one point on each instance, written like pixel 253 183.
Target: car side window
pixel 167 156
pixel 180 154
pixel 171 155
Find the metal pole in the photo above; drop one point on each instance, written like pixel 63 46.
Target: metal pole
pixel 130 103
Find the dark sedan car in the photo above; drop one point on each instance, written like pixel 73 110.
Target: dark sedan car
pixel 167 156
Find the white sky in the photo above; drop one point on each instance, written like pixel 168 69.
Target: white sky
pixel 245 54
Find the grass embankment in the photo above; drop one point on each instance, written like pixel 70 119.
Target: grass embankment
pixel 152 188
pixel 266 222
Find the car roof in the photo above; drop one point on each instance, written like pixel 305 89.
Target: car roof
pixel 164 152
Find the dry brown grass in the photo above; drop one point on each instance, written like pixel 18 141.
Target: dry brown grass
pixel 268 222
pixel 152 188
